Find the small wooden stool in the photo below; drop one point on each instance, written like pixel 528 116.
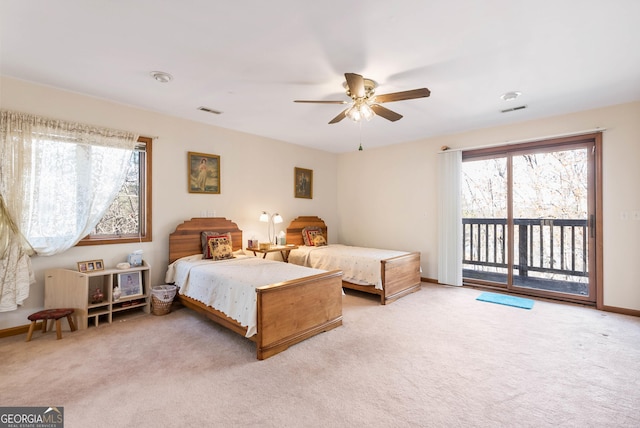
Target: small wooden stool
pixel 50 314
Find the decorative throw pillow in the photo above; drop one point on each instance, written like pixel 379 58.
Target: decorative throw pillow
pixel 310 232
pixel 319 241
pixel 206 236
pixel 220 248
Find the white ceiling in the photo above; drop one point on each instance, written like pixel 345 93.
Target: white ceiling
pixel 250 59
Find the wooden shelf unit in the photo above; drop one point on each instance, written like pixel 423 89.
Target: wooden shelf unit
pixel 66 288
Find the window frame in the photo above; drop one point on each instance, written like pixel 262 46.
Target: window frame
pixel 145 220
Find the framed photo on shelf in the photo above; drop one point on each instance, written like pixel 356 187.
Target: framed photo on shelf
pixel 130 284
pixel 204 173
pixel 90 265
pixel 303 183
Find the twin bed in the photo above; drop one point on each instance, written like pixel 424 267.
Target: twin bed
pixel 386 273
pixel 290 303
pixel 277 304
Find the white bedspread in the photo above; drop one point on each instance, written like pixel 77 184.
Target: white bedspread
pixel 229 285
pixel 359 265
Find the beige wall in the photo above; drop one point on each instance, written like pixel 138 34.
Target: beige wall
pixel 257 175
pixel 387 197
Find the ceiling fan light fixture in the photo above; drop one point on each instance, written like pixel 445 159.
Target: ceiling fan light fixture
pixel 366 111
pixel 360 110
pixel 352 113
pixel 161 76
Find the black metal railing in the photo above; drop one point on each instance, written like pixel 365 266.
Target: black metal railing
pixel 551 246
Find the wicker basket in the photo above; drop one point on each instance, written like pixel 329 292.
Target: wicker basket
pixel 162 299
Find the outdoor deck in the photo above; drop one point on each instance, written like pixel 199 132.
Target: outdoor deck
pixel 570 287
pixel 543 247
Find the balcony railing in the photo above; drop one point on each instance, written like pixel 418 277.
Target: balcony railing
pixel 553 247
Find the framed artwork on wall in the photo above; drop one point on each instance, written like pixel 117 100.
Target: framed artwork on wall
pixel 204 173
pixel 303 183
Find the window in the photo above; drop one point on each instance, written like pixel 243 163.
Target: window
pixel 128 219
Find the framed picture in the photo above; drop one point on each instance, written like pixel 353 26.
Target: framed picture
pixel 90 265
pixel 130 284
pixel 303 183
pixel 204 173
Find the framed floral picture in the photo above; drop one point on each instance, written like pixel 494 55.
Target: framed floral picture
pixel 303 183
pixel 204 173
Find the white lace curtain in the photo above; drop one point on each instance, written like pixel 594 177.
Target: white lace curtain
pixel 58 178
pixel 15 263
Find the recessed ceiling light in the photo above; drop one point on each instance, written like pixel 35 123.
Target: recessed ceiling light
pixel 161 76
pixel 508 96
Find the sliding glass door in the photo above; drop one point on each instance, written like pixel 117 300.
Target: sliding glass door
pixel 529 218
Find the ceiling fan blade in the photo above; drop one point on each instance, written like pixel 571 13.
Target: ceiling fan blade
pixel 355 82
pixel 385 112
pixel 404 95
pixel 320 102
pixel 339 117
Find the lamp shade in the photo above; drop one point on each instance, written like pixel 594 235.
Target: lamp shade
pixel 264 216
pixel 277 218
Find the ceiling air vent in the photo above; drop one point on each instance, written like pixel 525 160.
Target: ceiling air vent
pixel 513 109
pixel 209 110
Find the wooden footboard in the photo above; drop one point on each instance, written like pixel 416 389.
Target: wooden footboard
pixel 400 276
pixel 292 311
pixel 288 312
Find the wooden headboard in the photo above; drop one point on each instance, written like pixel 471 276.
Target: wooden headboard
pixel 294 231
pixel 185 240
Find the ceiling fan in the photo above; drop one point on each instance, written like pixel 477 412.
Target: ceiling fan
pixel 365 104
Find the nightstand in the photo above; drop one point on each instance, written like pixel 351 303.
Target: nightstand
pixel 284 251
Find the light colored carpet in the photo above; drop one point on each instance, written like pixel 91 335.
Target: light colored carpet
pixel 436 358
